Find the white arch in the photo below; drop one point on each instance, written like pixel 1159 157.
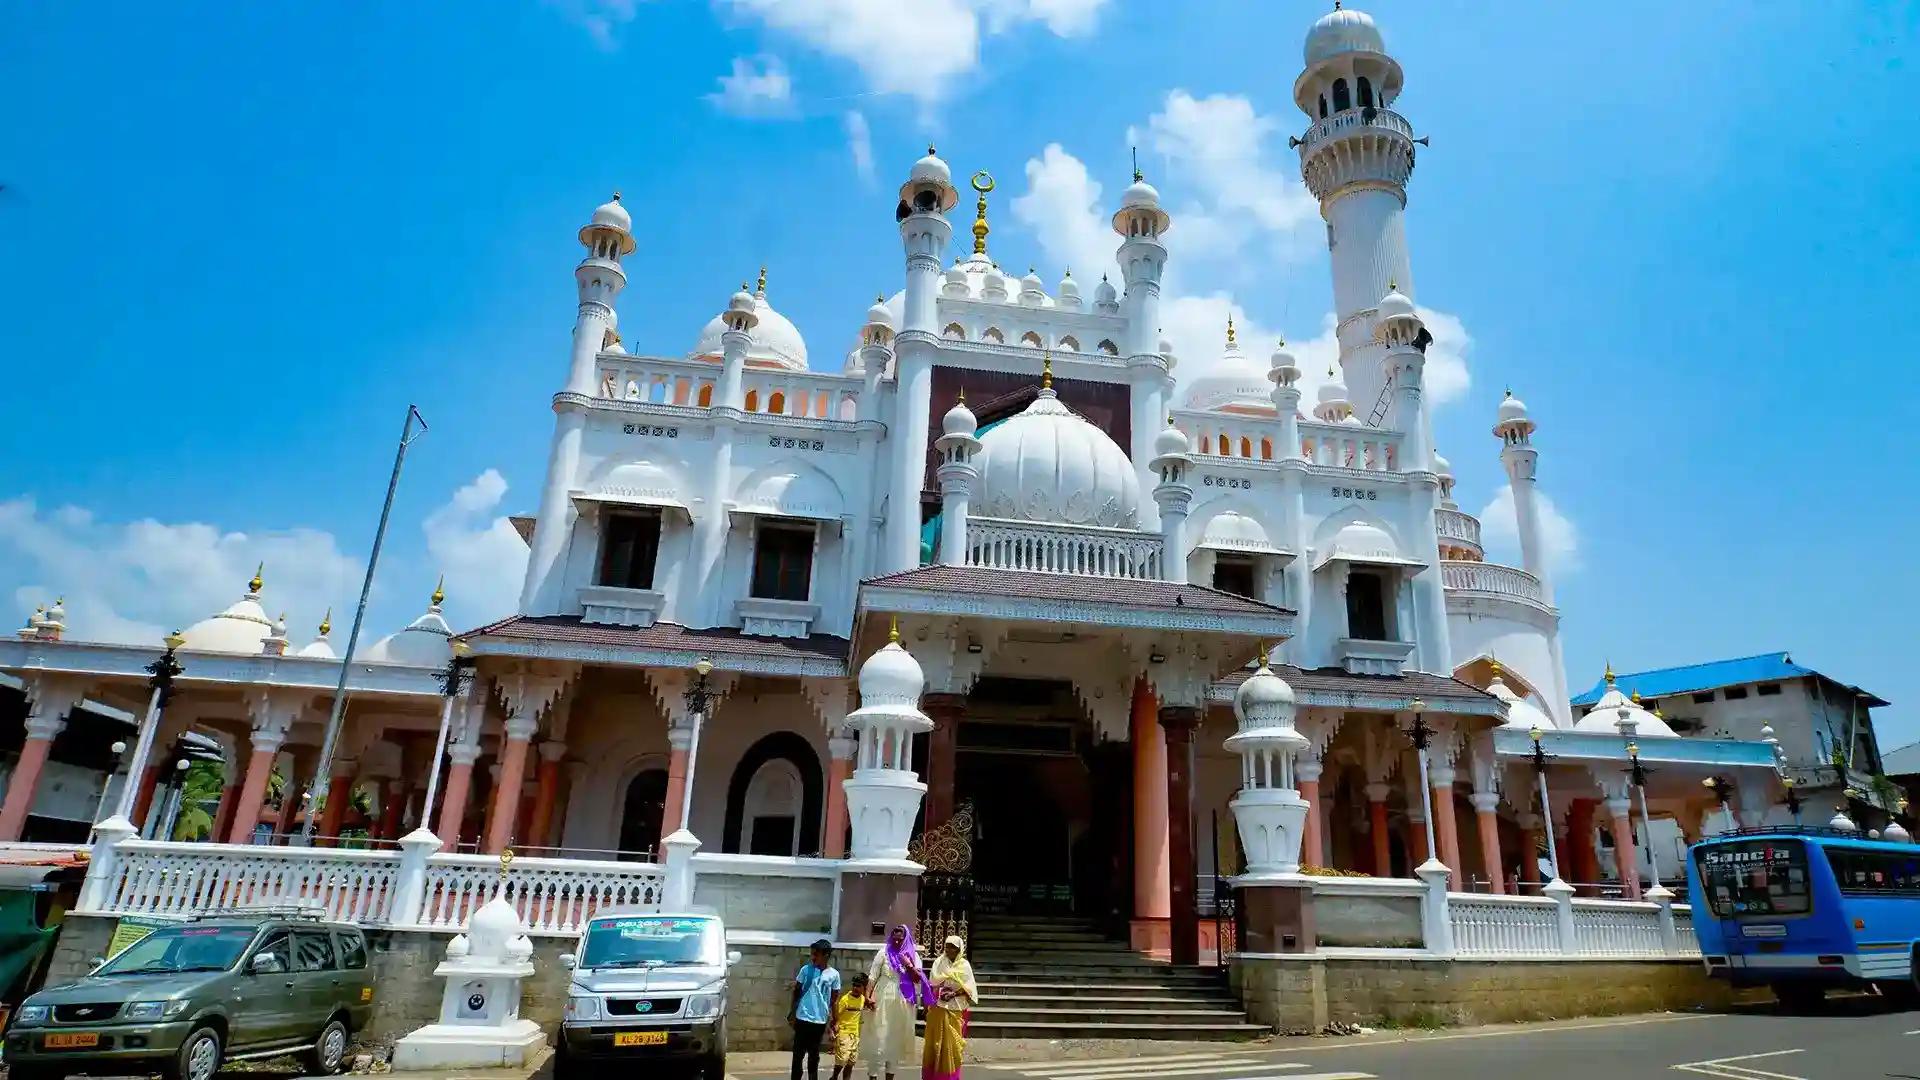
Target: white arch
pixel 790 488
pixel 775 791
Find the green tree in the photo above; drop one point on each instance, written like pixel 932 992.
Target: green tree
pixel 199 800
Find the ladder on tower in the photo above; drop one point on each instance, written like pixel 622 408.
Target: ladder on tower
pixel 1384 403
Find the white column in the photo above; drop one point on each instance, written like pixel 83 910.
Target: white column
pixel 924 233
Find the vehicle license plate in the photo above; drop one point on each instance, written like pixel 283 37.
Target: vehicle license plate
pixel 72 1041
pixel 640 1038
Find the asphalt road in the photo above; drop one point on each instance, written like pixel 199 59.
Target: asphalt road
pixel 1853 1038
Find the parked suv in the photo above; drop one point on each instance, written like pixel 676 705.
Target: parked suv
pixel 184 999
pixel 647 989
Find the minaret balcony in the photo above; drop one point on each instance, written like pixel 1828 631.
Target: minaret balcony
pixel 1367 120
pixel 1491 580
pixel 1046 548
pixel 1459 532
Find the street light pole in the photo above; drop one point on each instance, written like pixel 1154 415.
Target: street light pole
pixel 1421 735
pixel 699 699
pixel 119 749
pixel 161 672
pixel 322 773
pixel 1793 799
pixel 1546 806
pixel 1639 774
pixel 453 683
pixel 1721 789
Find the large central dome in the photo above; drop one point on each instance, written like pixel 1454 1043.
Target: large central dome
pixel 1048 464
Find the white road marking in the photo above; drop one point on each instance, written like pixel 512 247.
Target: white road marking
pixel 1725 1067
pixel 1075 1064
pixel 1149 1071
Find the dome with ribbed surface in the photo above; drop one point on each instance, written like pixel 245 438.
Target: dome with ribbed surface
pixel 1342 30
pixel 1047 463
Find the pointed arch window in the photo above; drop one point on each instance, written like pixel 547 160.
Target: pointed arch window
pixel 1366 93
pixel 955 331
pixel 994 335
pixel 1342 97
pixel 1070 343
pixel 1031 338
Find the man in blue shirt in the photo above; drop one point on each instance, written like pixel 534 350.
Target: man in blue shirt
pixel 815 989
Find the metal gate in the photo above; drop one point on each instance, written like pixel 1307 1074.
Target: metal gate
pixel 946 889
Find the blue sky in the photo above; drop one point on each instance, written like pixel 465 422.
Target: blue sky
pixel 236 247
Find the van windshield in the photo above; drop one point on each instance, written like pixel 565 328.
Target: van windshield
pixel 1755 877
pixel 187 948
pixel 651 941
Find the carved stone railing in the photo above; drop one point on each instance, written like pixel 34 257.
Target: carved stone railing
pixel 665 381
pixel 1492 579
pixel 1458 529
pixel 1350 446
pixel 1370 118
pixel 552 896
pixel 1002 544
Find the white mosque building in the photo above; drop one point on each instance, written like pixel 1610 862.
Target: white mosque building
pixel 1083 553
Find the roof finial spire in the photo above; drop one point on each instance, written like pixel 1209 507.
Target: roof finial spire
pixel 1609 675
pixel 893 629
pixel 616 194
pixel 961 397
pixel 326 623
pixel 982 182
pixel 1230 339
pixel 439 592
pixel 254 585
pixel 1046 369
pixel 1137 174
pixel 760 288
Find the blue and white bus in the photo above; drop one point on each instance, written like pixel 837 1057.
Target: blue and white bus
pixel 1806 909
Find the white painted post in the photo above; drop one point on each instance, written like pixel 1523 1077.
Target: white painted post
pixel 1669 934
pixel 1435 920
pixel 104 865
pixel 1562 895
pixel 679 867
pixel 410 883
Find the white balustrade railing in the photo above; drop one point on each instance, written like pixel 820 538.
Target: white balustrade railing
pixel 153 877
pixel 813 394
pixel 656 380
pixel 1350 446
pixel 1683 936
pixel 1370 117
pixel 663 381
pixel 1002 544
pixel 1616 928
pixel 1483 577
pixel 1504 925
pixel 552 896
pixel 1463 530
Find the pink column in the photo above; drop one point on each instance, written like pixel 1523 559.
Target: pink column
pixel 143 795
pixel 1416 839
pixel 1486 812
pixel 453 801
pixel 546 791
pixel 1312 845
pixel 1446 829
pixel 1626 855
pixel 298 769
pixel 506 794
pixel 339 795
pixel 840 750
pixel 1377 826
pixel 1152 898
pixel 393 803
pixel 41 730
pixel 253 789
pixel 679 738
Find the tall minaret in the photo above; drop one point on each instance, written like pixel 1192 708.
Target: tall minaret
pixel 924 231
pixel 1356 158
pixel 1143 261
pixel 1515 431
pixel 607 237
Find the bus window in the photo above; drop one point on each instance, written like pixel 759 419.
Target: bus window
pixel 1755 877
pixel 1861 872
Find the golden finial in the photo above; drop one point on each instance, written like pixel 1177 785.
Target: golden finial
pixel 1046 370
pixel 981 182
pixel 1496 668
pixel 1169 419
pixel 1229 328
pixel 506 860
pixel 1609 675
pixel 893 629
pixel 1635 696
pixel 1137 174
pixel 1658 715
pixel 326 623
pixel 174 640
pixel 1392 285
pixel 760 288
pixel 254 585
pixel 439 592
pixel 961 397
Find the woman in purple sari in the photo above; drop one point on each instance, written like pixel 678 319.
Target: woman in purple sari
pixel 897 987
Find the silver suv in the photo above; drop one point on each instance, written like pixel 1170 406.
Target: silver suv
pixel 647 988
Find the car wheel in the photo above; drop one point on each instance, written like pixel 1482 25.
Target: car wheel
pixel 198 1057
pixel 329 1049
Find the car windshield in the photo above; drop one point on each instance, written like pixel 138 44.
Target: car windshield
pixel 650 941
pixel 1755 877
pixel 184 948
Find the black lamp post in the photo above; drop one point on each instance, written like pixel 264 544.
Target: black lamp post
pixel 699 699
pixel 1421 735
pixel 1637 773
pixel 1721 789
pixel 1540 758
pixel 161 673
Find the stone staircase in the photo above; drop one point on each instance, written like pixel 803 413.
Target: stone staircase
pixel 1059 977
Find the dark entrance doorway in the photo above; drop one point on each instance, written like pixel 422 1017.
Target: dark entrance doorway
pixel 642 815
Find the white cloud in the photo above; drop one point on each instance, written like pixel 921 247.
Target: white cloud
pixel 919 49
pixel 1447 378
pixel 758 86
pixel 134 581
pixel 1560 541
pixel 1062 209
pixel 601 19
pixel 860 144
pixel 1216 149
pixel 483 557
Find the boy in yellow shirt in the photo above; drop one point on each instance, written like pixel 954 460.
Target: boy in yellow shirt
pixel 846 1027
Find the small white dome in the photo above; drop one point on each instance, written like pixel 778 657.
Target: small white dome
pixel 1342 30
pixel 1140 195
pixel 1047 463
pixel 1897 833
pixel 1512 409
pixel 1032 290
pixel 1231 531
pixel 1442 467
pixel 1333 391
pixel 1069 292
pixel 612 215
pixel 1394 305
pixel 1521 713
pixel 1171 442
pixel 1362 542
pixel 492 930
pixel 878 315
pixel 993 284
pixel 1104 293
pixel 774 340
pixel 959 420
pixel 931 169
pixel 241 628
pixel 1265 707
pixel 1617 714
pixel 891 680
pixel 1283 360
pixel 318 649
pixel 955 282
pixel 742 303
pixel 1236 383
pixel 426 642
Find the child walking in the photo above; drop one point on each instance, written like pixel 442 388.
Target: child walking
pixel 815 990
pixel 846 1026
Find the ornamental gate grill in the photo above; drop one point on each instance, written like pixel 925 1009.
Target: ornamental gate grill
pixel 946 889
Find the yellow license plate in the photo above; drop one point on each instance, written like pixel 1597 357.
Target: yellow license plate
pixel 640 1038
pixel 73 1041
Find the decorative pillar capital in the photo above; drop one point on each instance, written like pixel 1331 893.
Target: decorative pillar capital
pixel 463 753
pixel 552 750
pixel 1485 802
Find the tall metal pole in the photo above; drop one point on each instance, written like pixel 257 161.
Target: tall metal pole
pixel 1639 774
pixel 119 754
pixel 1421 735
pixel 322 773
pixel 453 683
pixel 163 670
pixel 1546 804
pixel 699 700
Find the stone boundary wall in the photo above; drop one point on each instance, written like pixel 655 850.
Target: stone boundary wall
pixel 407 994
pixel 1304 994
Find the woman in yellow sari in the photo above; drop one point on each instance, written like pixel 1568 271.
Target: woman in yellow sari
pixel 954 996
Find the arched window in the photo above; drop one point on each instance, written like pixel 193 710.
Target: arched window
pixel 1342 97
pixel 774 799
pixel 1032 339
pixel 777 403
pixel 1070 343
pixel 644 812
pixel 1266 449
pixel 1109 348
pixel 955 331
pixel 1206 444
pixel 994 335
pixel 753 401
pixel 1323 106
pixel 706 395
pixel 1366 92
